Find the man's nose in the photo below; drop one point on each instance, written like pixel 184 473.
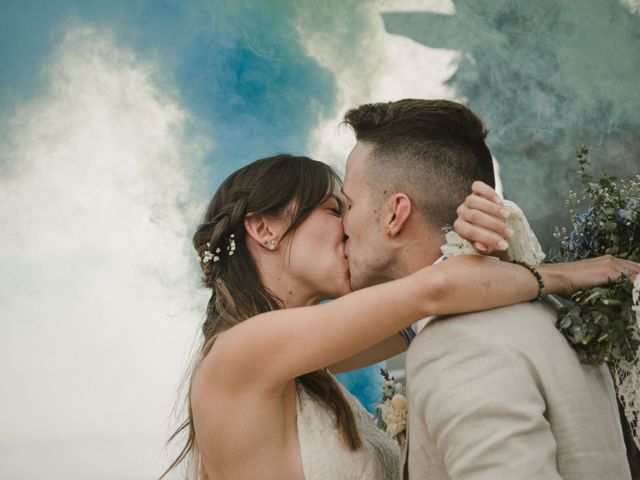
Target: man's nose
pixel 345 224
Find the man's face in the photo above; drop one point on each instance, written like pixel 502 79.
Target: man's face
pixel 363 223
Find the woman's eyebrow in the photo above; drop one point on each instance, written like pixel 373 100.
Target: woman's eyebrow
pixel 338 199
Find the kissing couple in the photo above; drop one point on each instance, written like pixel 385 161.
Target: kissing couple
pixel 494 390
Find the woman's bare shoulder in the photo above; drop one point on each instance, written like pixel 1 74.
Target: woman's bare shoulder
pixel 217 378
pixel 236 419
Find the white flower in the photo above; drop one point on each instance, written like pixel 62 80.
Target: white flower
pixel 399 402
pixel 394 414
pixel 456 245
pixel 390 388
pixel 207 256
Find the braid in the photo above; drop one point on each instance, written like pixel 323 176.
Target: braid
pixel 216 237
pixel 217 233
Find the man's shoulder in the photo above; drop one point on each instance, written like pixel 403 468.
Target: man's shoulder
pixel 523 337
pixel 522 323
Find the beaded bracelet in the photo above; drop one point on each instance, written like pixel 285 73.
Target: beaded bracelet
pixel 536 274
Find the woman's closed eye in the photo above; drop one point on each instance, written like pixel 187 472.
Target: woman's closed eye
pixel 337 211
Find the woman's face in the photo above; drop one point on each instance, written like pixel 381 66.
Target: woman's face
pixel 315 257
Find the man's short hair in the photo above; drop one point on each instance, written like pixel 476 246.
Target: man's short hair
pixel 432 150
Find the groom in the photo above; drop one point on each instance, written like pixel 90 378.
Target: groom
pixel 494 395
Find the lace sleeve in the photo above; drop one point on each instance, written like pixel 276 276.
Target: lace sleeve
pixel 523 245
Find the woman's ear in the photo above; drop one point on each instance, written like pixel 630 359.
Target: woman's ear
pixel 266 231
pixel 399 211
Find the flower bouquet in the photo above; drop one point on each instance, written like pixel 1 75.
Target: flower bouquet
pixel 392 411
pixel 603 323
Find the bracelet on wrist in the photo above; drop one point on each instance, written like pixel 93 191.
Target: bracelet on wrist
pixel 536 273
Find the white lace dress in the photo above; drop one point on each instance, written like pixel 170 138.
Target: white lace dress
pixel 324 456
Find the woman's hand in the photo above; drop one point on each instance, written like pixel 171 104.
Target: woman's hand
pixel 565 279
pixel 481 220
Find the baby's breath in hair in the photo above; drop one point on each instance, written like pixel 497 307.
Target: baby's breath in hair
pixel 208 256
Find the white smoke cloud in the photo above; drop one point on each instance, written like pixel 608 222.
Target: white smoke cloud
pixel 371 65
pixel 632 5
pixel 97 275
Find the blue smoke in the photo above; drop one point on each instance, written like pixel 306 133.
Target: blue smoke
pixel 365 384
pixel 237 67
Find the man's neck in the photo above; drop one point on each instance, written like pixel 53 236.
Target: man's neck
pixel 420 251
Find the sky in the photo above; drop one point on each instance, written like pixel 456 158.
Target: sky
pixel 119 119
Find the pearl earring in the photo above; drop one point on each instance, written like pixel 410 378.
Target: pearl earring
pixel 270 244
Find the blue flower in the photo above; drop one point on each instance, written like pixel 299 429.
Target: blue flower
pixel 574 242
pixel 584 218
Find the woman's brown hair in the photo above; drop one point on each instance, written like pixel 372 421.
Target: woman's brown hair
pixel 282 186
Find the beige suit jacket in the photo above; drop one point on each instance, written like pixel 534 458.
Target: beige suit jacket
pixel 500 395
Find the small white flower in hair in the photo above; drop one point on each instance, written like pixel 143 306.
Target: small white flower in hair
pixel 232 244
pixel 207 256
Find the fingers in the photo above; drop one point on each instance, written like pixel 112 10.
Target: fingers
pixel 489 240
pixel 608 268
pixel 482 219
pixel 481 247
pixel 484 190
pixel 620 266
pixel 497 210
pixel 588 273
pixel 490 220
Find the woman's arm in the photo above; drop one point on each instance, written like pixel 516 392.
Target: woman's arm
pixel 390 347
pixel 269 350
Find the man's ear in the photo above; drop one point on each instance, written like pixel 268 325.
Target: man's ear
pixel 265 230
pixel 399 211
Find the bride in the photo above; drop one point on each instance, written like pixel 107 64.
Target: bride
pixel 262 400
